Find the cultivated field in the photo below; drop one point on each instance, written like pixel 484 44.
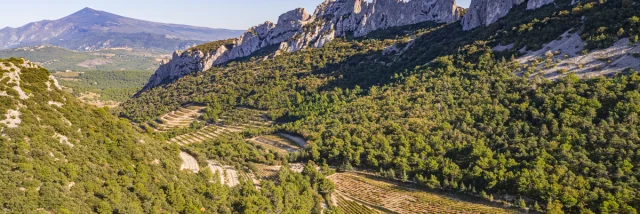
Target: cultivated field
pixel 228 174
pixel 349 206
pixel 277 143
pixel 390 198
pixel 228 125
pixel 180 118
pixel 189 162
pixel 266 172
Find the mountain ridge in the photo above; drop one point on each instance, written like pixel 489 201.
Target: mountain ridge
pixel 95 29
pixel 297 29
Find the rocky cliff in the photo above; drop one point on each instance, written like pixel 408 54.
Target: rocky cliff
pixel 535 4
pixel 297 29
pixel 486 12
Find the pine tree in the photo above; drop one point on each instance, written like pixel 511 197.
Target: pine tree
pixel 404 177
pixel 554 207
pixel 521 203
pixel 536 207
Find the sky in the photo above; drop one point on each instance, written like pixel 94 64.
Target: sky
pixel 229 14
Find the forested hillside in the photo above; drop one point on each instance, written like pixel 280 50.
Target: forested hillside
pixel 436 105
pixel 60 59
pixel 111 85
pixel 60 155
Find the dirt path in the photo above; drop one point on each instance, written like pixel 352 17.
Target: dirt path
pixel 189 163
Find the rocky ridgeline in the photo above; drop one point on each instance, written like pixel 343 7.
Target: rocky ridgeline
pixel 486 12
pixel 535 4
pixel 298 29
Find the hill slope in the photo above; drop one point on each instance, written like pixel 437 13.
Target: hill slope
pixel 59 155
pixel 455 110
pixel 90 29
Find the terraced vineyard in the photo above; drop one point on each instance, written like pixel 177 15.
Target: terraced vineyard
pixel 392 198
pixel 266 172
pixel 277 143
pixel 209 132
pixel 180 118
pixel 189 163
pixel 228 174
pixel 228 125
pixel 349 206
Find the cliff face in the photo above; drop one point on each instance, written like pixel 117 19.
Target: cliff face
pixel 486 12
pixel 535 4
pixel 181 64
pixel 298 29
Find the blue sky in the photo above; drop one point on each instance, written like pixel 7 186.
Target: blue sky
pixel 231 14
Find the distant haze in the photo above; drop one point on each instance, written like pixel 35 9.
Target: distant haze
pixel 229 14
pixel 90 30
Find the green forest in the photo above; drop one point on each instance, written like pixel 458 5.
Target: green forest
pixel 450 113
pixel 60 59
pixel 111 85
pixel 75 158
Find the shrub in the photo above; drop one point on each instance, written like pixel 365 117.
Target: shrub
pixel 564 71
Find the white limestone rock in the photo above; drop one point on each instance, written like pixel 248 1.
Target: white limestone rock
pixel 182 63
pixel 297 30
pixel 486 12
pixel 535 4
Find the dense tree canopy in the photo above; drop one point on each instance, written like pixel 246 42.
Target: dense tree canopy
pixel 450 113
pixel 66 157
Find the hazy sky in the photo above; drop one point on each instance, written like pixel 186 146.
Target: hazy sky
pixel 231 14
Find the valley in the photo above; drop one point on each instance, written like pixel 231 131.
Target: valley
pixel 355 107
pixel 112 59
pixel 354 192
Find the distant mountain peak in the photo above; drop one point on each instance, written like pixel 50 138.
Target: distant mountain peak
pixel 89 29
pixel 88 10
pixel 89 13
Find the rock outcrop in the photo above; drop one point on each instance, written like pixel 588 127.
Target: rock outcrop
pixel 486 12
pixel 535 4
pixel 181 64
pixel 297 30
